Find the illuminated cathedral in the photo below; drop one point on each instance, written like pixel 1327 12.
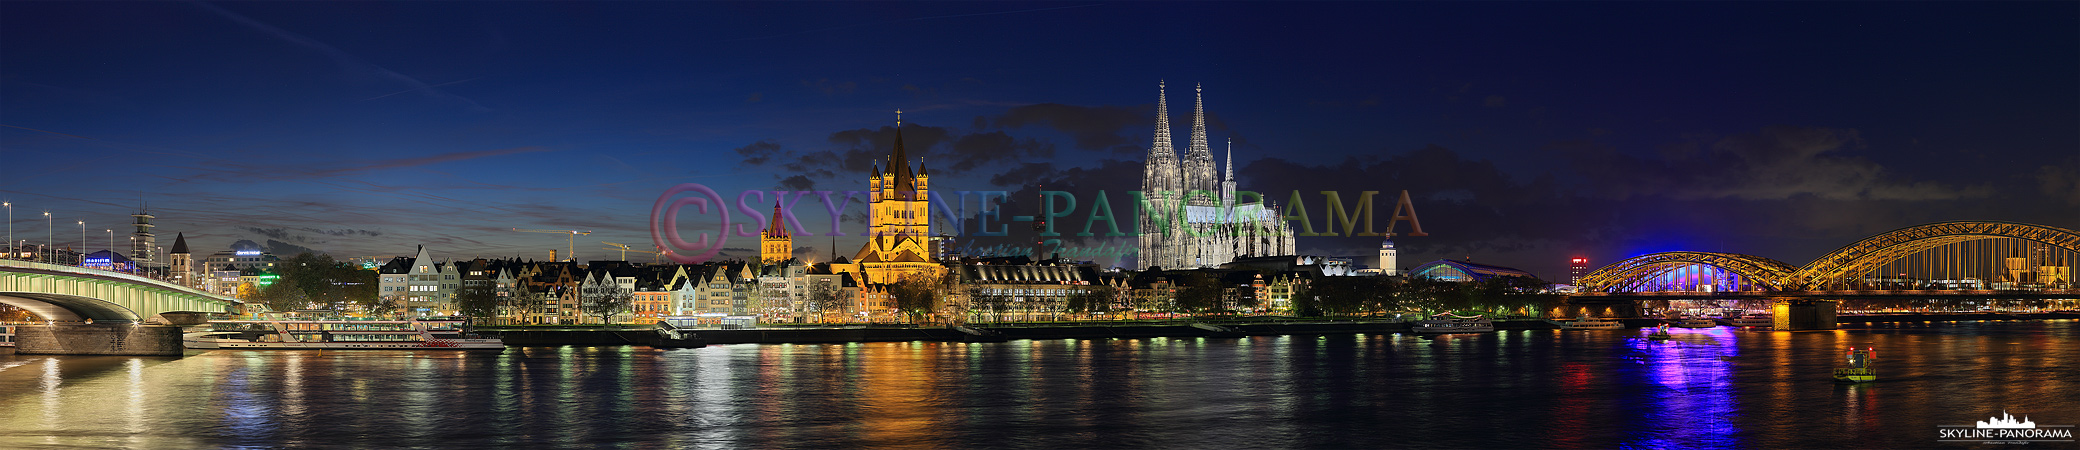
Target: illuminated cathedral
pixel 1192 219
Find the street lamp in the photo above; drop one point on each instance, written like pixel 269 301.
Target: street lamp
pixel 82 242
pixel 48 237
pixel 10 229
pixel 111 249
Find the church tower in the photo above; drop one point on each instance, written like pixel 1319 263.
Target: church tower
pixel 183 270
pixel 1161 183
pixel 776 245
pixel 899 217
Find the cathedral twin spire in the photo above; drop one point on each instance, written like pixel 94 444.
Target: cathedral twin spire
pixel 1195 170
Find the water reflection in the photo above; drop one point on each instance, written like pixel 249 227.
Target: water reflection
pixel 1515 389
pixel 1690 400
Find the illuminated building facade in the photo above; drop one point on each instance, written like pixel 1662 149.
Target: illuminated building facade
pixel 1389 259
pixel 223 268
pixel 1193 219
pixel 108 260
pixel 1576 268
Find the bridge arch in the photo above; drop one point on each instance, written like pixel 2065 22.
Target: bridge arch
pixel 1632 272
pixel 1863 256
pixel 68 308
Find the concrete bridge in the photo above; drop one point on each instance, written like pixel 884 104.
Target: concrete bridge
pixel 99 312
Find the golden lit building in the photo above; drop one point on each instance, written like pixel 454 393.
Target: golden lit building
pixel 899 209
pixel 776 245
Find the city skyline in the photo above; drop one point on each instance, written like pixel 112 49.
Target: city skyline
pixel 1528 135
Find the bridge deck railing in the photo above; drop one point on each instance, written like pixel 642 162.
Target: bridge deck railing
pixel 84 271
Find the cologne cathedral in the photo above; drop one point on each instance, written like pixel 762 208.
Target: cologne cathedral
pixel 1192 219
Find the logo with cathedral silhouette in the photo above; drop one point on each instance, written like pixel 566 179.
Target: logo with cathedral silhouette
pixel 2005 429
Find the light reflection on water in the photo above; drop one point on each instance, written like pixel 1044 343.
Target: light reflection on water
pixel 1712 388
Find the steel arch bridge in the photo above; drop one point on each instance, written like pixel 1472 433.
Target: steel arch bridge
pixel 1848 261
pixel 72 294
pixel 1633 272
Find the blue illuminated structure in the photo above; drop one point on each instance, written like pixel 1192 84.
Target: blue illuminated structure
pixel 1451 270
pixel 108 260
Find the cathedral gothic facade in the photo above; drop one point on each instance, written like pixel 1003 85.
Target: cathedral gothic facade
pixel 1193 219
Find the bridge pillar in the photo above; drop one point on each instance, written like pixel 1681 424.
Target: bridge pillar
pixel 98 339
pixel 1803 314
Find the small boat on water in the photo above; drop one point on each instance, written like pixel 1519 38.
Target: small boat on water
pixel 1448 323
pixel 1859 368
pixel 338 334
pixel 1588 323
pixel 1697 322
pixel 1660 334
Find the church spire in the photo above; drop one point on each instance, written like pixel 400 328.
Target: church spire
pixel 778 227
pixel 1229 166
pixel 1199 121
pixel 899 164
pixel 1162 145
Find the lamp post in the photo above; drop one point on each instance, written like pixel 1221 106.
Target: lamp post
pixel 11 249
pixel 82 242
pixel 48 237
pixel 111 249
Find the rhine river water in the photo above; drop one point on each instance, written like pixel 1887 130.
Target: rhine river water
pixel 1713 388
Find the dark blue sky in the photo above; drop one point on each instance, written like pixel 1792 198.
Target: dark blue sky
pixel 1527 132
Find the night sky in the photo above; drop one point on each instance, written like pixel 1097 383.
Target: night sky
pixel 1526 133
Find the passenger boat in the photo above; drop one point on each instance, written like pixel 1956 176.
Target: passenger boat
pixel 1449 323
pixel 1755 321
pixel 1697 322
pixel 1588 323
pixel 339 334
pixel 1859 368
pixel 7 336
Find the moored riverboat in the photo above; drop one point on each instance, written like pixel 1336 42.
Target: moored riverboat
pixel 1755 321
pixel 1697 322
pixel 1588 323
pixel 339 334
pixel 1448 323
pixel 7 336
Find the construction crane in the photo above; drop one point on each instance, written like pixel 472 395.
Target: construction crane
pixel 624 248
pixel 571 243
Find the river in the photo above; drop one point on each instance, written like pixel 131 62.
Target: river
pixel 1713 388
